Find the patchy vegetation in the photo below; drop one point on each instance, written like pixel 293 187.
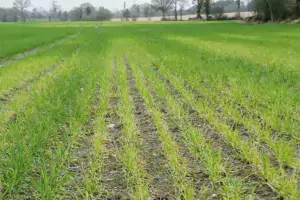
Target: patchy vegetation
pixel 152 111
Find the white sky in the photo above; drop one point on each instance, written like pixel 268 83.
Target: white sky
pixel 69 4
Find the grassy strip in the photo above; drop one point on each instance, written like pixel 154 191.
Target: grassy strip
pixel 129 153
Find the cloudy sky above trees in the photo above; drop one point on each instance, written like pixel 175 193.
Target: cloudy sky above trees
pixel 69 4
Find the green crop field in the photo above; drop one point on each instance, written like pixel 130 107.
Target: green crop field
pixel 123 110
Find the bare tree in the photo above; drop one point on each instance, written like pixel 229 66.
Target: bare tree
pixel 207 6
pixel 146 9
pixel 175 9
pixel 55 8
pixel 135 11
pixel 270 5
pixel 182 4
pixel 199 4
pixel 126 14
pixel 21 5
pixel 162 5
pixel 238 8
pixel 87 9
pixel 3 15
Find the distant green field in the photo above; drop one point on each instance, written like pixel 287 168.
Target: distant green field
pixel 158 110
pixel 19 38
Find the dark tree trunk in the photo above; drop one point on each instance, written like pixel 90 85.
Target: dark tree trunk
pixel 238 9
pixel 271 10
pixel 207 9
pixel 199 7
pixel 176 15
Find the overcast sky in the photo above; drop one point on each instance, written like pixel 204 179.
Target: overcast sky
pixel 69 4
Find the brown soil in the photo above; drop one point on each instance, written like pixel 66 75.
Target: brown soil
pixel 156 166
pixel 82 152
pixel 113 177
pixel 239 168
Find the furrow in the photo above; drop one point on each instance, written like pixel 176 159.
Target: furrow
pixel 177 162
pixel 113 177
pixel 160 183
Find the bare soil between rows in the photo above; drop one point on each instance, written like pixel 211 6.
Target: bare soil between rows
pixel 113 176
pixel 160 187
pixel 195 173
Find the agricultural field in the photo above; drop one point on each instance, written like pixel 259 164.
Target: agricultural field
pixel 18 39
pixel 150 110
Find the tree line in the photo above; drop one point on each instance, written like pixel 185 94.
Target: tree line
pixel 84 12
pixel 275 10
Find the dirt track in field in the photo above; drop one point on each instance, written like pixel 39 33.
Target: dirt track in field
pixel 22 55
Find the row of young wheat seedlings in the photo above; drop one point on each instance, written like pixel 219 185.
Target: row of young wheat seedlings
pixel 27 69
pixel 284 184
pixel 277 178
pixel 34 164
pixel 92 187
pixel 19 102
pixel 282 149
pixel 276 113
pixel 217 95
pixel 260 129
pixel 230 188
pixel 279 110
pixel 74 128
pixel 129 154
pixel 282 119
pixel 179 169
